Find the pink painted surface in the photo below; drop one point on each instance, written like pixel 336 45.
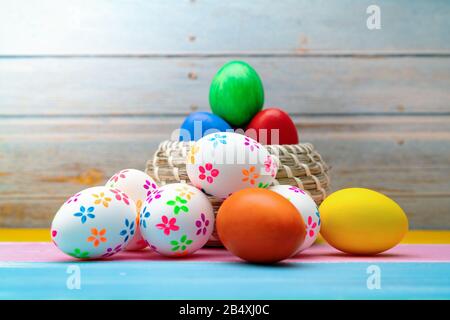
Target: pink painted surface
pixel 47 252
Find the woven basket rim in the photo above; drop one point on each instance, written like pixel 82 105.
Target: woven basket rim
pixel 298 165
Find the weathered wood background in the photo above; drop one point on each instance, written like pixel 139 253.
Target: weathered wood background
pixel 91 87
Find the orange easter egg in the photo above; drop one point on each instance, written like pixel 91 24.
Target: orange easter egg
pixel 259 225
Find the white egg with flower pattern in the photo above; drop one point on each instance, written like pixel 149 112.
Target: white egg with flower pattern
pixel 177 220
pixel 94 223
pixel 307 208
pixel 225 162
pixel 138 186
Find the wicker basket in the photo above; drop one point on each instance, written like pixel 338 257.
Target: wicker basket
pixel 299 165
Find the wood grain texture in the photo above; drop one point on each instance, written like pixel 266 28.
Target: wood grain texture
pixel 166 86
pixel 45 161
pixel 199 280
pixel 209 26
pixel 91 87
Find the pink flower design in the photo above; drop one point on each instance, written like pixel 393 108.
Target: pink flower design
pixel 110 251
pixel 73 198
pixel 150 186
pixel 251 144
pixel 208 172
pixel 54 233
pixel 269 166
pixel 168 225
pixel 121 196
pixel 202 224
pixel 297 190
pixel 119 175
pixel 153 194
pixel 310 229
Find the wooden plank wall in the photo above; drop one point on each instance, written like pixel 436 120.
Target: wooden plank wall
pixel 91 87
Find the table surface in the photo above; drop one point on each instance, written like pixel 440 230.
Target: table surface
pixel 34 268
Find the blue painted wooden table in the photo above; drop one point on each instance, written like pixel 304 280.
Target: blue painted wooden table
pixel 210 280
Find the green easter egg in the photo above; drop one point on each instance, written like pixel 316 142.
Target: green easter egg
pixel 236 93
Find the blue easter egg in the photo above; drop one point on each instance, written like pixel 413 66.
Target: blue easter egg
pixel 198 124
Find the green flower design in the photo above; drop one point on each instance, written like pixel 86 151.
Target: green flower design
pixel 77 253
pixel 178 204
pixel 263 185
pixel 182 244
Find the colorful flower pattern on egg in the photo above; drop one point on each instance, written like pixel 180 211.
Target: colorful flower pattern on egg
pixel 73 198
pixel 202 224
pixel 178 222
pixel 87 229
pixel 270 166
pixel 168 225
pixel 226 162
pixel 138 186
pixel 192 153
pixel 307 209
pixel 112 251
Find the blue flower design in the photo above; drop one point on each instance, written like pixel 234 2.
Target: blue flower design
pixel 144 215
pixel 85 213
pixel 318 216
pixel 128 231
pixel 218 138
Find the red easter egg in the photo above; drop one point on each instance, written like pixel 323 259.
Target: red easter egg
pixel 269 119
pixel 260 226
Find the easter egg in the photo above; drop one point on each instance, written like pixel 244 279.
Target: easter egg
pixel 236 93
pixel 177 220
pixel 259 225
pixel 225 162
pixel 94 223
pixel 138 186
pixel 198 124
pixel 306 207
pixel 272 126
pixel 362 221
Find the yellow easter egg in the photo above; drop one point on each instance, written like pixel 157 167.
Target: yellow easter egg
pixel 362 221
